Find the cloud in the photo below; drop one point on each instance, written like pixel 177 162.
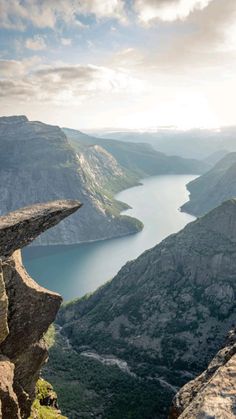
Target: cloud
pixel 167 10
pixel 11 67
pixel 66 41
pixel 15 14
pixel 9 89
pixel 37 43
pixel 69 84
pixel 204 43
pixel 104 8
pixel 193 58
pixel 17 69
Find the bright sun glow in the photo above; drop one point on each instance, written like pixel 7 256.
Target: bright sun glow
pixel 138 65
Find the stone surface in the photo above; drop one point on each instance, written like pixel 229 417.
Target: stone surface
pixel 41 311
pixel 3 308
pixel 27 370
pixel 21 227
pixel 26 309
pixel 9 402
pixel 213 393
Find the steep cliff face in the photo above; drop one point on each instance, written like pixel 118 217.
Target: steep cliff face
pixel 213 393
pixel 141 158
pixel 212 188
pixel 165 314
pixel 26 309
pixel 37 164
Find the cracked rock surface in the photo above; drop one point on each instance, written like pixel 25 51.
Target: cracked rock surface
pixel 26 309
pixel 213 393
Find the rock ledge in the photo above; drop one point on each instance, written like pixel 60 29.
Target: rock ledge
pixel 26 309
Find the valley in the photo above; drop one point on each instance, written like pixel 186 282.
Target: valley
pixel 165 314
pixel 41 162
pixel 117 209
pixel 87 266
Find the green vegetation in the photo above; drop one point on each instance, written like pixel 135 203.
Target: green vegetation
pixel 85 386
pixel 49 336
pixel 165 314
pixel 44 406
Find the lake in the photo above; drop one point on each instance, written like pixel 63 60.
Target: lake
pixel 79 269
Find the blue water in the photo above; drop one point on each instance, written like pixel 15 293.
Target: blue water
pixel 76 270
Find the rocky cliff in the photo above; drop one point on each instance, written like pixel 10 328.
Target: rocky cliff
pixel 213 393
pixel 164 316
pixel 26 309
pixel 37 164
pixel 141 158
pixel 213 187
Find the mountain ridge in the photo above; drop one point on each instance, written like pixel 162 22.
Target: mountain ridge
pixel 165 314
pixel 38 164
pixel 213 187
pixel 142 157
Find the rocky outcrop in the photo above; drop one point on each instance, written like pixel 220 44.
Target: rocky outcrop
pixel 21 227
pixel 9 407
pixel 166 313
pixel 26 309
pixel 213 393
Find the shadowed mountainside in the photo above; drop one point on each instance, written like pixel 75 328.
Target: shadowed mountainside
pixel 141 158
pixel 165 315
pixel 212 188
pixel 37 164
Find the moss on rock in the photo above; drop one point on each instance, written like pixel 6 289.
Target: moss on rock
pixel 45 405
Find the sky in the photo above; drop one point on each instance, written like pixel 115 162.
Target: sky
pixel 120 64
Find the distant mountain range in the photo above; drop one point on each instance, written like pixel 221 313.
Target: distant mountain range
pixel 37 164
pixel 141 158
pixel 194 143
pixel 212 188
pixel 126 349
pixel 40 162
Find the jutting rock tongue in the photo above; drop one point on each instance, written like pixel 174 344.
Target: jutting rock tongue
pixel 21 227
pixel 26 309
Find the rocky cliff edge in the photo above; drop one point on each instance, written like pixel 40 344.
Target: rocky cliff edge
pixel 213 393
pixel 26 309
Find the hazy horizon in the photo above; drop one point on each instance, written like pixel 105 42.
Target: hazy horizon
pixel 123 64
pixel 107 129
